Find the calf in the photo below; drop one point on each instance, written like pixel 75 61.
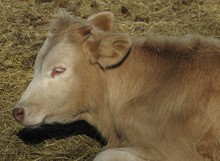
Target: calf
pixel 152 98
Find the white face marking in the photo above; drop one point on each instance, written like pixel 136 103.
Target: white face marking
pixel 49 92
pixel 40 55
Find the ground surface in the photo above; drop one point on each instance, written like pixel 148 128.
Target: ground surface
pixel 23 26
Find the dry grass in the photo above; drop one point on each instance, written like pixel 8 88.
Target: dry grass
pixel 23 26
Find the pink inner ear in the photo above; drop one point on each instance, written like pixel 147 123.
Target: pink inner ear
pixel 84 30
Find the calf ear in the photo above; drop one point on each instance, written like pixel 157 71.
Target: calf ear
pixel 84 30
pixel 104 21
pixel 112 50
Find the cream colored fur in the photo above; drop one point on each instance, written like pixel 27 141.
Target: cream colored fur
pixel 153 98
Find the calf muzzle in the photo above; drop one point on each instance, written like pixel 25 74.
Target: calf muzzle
pixel 18 114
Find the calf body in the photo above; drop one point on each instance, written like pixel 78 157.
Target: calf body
pixel 152 98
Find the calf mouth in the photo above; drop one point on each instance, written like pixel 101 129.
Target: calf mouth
pixel 24 118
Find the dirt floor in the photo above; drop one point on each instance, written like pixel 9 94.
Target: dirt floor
pixel 23 27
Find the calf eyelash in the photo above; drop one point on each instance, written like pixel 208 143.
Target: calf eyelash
pixel 57 71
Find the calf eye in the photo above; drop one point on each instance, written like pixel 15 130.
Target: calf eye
pixel 57 71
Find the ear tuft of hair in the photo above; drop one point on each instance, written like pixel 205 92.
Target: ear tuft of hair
pixel 60 22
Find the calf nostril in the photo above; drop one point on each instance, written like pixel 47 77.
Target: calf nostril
pixel 18 114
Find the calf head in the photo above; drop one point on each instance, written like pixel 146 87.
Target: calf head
pixel 69 78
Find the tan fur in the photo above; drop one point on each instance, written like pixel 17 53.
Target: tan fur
pixel 159 101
